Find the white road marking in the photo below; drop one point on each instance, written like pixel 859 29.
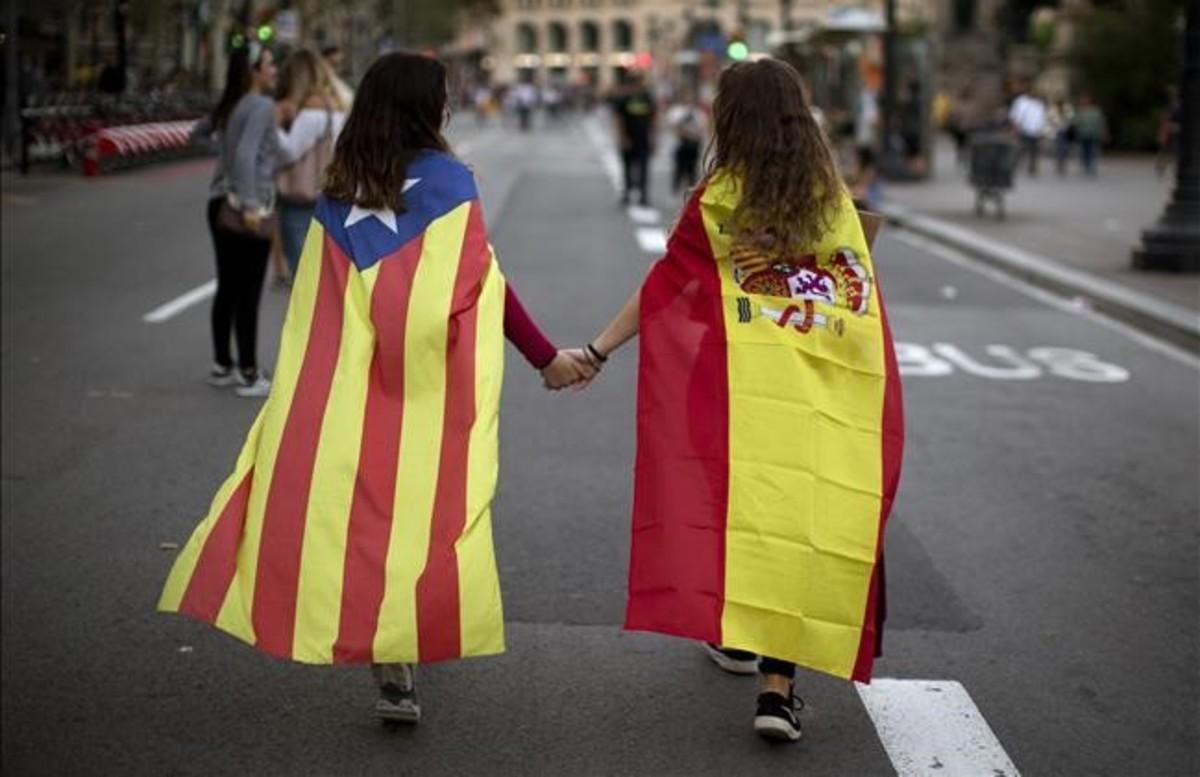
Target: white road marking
pixel 608 154
pixel 181 303
pixel 643 215
pixel 931 728
pixel 960 259
pixel 652 239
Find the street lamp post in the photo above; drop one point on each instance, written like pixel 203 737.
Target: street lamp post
pixel 1173 242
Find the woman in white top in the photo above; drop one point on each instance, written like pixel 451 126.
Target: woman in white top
pixel 311 115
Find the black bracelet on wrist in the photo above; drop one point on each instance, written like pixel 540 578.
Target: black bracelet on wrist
pixel 591 349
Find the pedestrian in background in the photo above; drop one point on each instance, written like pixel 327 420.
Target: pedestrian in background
pixel 1060 127
pixel 1027 115
pixel 311 115
pixel 762 335
pixel 336 60
pixel 241 213
pixel 635 120
pixel 1169 128
pixel 689 122
pixel 1091 129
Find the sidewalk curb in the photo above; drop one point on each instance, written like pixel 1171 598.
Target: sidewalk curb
pixel 1166 320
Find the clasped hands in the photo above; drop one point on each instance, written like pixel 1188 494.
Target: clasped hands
pixel 573 367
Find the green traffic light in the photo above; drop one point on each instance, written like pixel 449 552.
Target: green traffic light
pixel 738 51
pixel 265 33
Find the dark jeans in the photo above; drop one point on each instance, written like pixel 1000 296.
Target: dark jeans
pixel 241 268
pixel 637 174
pixel 1032 146
pixel 1087 150
pixel 687 157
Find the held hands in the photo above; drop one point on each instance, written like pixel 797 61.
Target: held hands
pixel 570 367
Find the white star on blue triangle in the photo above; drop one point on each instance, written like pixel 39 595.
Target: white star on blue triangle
pixel 386 216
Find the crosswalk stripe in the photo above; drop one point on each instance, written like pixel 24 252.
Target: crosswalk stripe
pixel 932 728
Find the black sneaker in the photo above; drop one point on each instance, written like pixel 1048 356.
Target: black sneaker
pixel 398 695
pixel 732 661
pixel 778 717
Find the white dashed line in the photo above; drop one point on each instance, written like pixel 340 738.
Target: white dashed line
pixel 181 303
pixel 643 215
pixel 931 728
pixel 652 239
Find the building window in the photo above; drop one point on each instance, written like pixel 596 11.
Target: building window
pixel 622 35
pixel 589 36
pixel 557 36
pixel 527 38
pixel 560 3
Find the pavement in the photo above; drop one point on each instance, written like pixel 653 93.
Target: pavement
pixel 1043 564
pixel 1069 233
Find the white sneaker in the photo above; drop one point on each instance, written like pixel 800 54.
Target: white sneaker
pixel 223 377
pixel 259 387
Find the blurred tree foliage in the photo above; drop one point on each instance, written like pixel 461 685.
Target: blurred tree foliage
pixel 1129 54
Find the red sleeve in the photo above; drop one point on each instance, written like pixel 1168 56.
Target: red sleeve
pixel 523 333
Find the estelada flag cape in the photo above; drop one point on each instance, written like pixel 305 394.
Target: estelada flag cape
pixel 356 525
pixel 769 435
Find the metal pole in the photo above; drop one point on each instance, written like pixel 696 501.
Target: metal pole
pixel 1173 242
pixel 889 161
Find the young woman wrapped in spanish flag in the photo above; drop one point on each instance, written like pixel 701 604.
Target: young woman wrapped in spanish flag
pixel 769 420
pixel 356 527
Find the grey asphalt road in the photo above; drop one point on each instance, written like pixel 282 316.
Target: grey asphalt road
pixel 1043 551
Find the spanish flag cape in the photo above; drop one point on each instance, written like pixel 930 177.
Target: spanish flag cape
pixel 769 435
pixel 356 525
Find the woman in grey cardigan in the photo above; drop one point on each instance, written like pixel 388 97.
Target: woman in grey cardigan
pixel 247 158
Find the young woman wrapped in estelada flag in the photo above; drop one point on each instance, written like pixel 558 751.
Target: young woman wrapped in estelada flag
pixel 356 527
pixel 769 420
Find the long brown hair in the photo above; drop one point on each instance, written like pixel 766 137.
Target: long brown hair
pixel 765 134
pixel 398 113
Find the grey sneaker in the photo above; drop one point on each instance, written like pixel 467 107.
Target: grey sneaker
pixel 397 694
pixel 259 386
pixel 223 377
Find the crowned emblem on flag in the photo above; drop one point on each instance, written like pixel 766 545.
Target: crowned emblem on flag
pixel 810 283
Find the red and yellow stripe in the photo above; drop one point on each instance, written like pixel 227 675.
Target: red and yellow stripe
pixel 356 526
pixel 767 459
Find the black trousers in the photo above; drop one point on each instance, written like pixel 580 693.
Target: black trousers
pixel 241 268
pixel 687 158
pixel 637 174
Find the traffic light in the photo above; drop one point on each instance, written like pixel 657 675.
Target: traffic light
pixel 737 50
pixel 265 33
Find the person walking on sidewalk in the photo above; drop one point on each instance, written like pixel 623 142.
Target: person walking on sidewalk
pixel 1060 127
pixel 770 426
pixel 1091 129
pixel 241 213
pixel 1028 118
pixel 356 526
pixel 311 116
